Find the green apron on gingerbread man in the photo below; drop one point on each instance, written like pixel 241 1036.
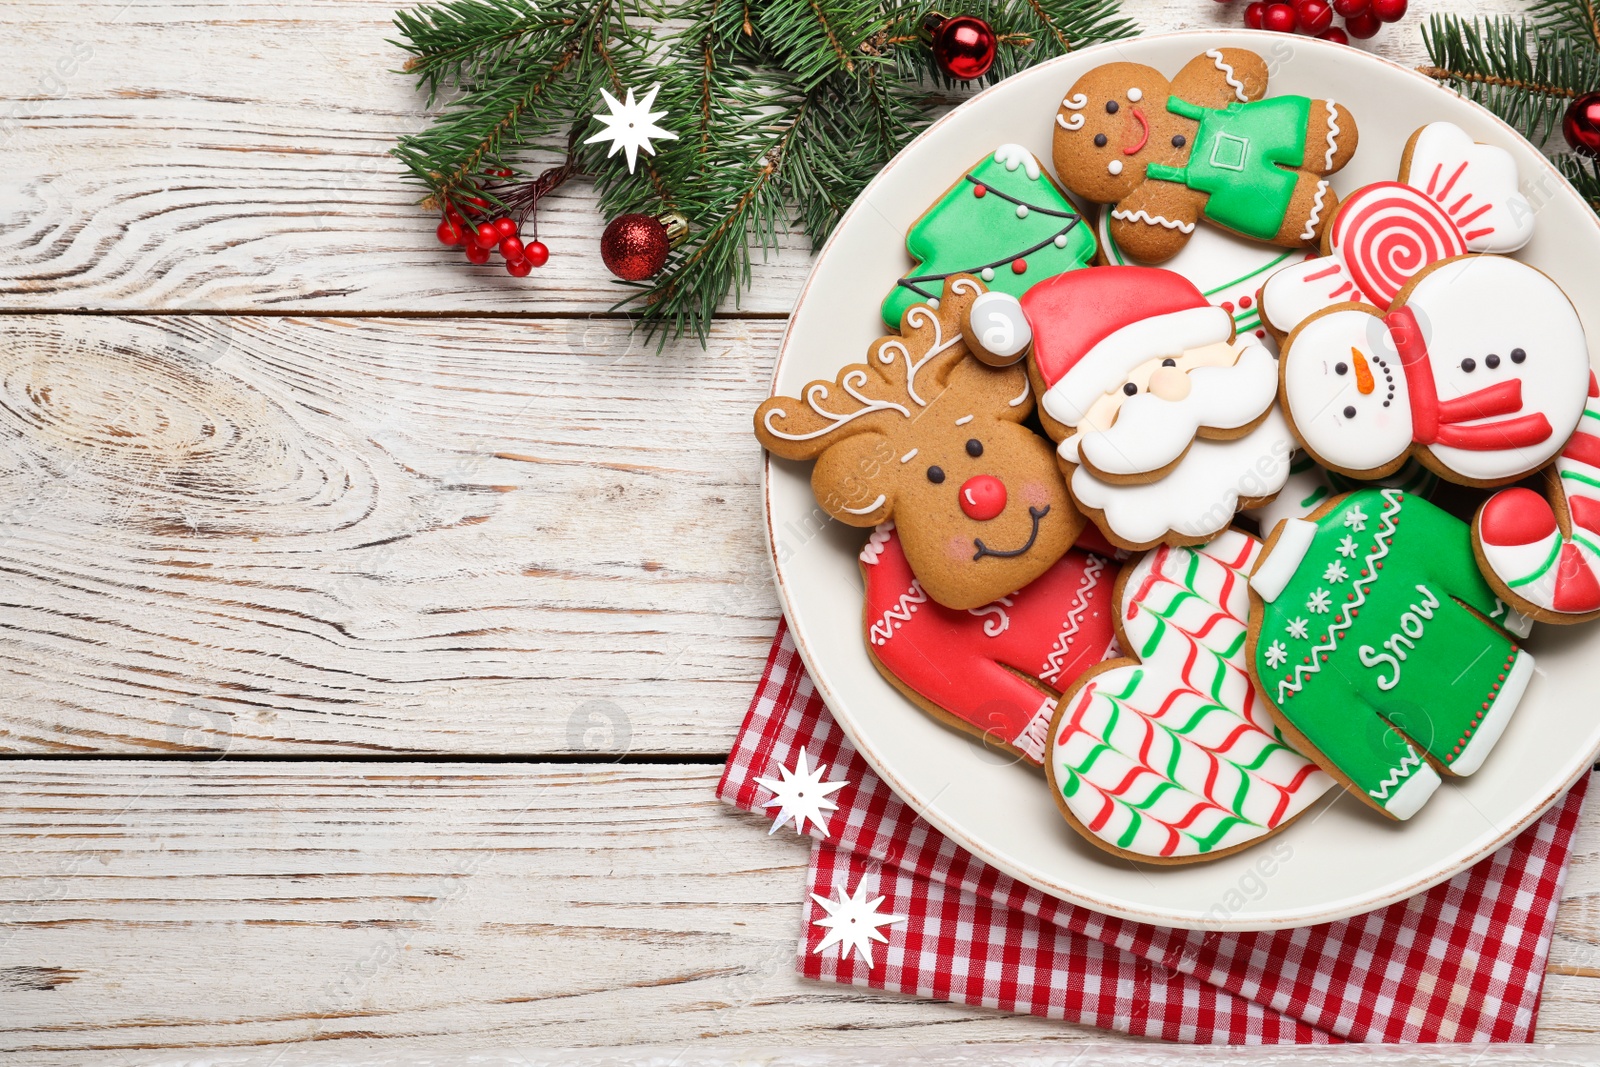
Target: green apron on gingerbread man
pixel 1238 159
pixel 1375 619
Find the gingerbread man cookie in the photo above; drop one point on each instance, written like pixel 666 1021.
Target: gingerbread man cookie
pixel 1169 755
pixel 1378 643
pixel 926 434
pixel 1479 368
pixel 1205 145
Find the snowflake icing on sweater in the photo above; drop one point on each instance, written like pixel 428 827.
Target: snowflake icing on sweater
pixel 1335 573
pixel 1347 547
pixel 802 795
pixel 1356 519
pixel 1276 654
pixel 852 923
pixel 1318 604
pixel 1298 628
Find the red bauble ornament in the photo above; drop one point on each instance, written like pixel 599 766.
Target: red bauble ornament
pixel 1581 124
pixel 1253 15
pixel 1337 36
pixel 964 47
pixel 1279 18
pixel 1389 10
pixel 1314 16
pixel 1363 25
pixel 635 246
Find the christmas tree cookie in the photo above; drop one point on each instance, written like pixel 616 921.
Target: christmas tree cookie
pixel 1379 644
pixel 1005 221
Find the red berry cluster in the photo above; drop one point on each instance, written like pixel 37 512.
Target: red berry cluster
pixel 1314 18
pixel 479 239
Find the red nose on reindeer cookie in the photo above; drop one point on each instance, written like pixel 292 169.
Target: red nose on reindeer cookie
pixel 925 433
pixel 1205 145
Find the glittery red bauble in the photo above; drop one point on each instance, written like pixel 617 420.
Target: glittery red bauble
pixel 634 246
pixel 965 47
pixel 1581 124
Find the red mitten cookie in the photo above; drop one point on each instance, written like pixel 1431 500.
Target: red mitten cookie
pixel 926 434
pixel 1205 145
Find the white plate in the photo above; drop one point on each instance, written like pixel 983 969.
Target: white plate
pixel 1341 858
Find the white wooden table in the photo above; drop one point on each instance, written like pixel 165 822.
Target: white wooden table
pixel 373 626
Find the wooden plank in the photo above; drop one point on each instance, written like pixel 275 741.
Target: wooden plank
pixel 351 909
pixel 293 535
pixel 232 154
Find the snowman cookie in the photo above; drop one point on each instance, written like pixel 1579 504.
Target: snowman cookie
pixel 1206 145
pixel 1169 755
pixel 1479 368
pixel 1454 196
pixel 1385 655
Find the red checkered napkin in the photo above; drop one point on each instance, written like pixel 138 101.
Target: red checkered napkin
pixel 1461 962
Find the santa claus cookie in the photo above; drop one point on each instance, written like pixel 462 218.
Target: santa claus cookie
pixel 1454 196
pixel 1479 368
pixel 1205 145
pixel 1167 424
pixel 1005 220
pixel 926 434
pixel 1541 553
pixel 1169 755
pixel 992 671
pixel 1378 643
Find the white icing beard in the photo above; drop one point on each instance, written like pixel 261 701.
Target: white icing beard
pixel 1149 433
pixel 1482 305
pixel 1318 397
pixel 1201 494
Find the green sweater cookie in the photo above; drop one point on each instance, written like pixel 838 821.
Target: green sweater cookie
pixel 1376 620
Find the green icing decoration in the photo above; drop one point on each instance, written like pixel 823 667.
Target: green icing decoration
pixel 1238 158
pixel 963 233
pixel 1374 630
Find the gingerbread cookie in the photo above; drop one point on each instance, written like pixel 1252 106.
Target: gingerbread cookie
pixel 992 671
pixel 926 434
pixel 1205 145
pixel 1167 424
pixel 1454 196
pixel 1169 755
pixel 1005 220
pixel 1378 643
pixel 1479 368
pixel 1542 555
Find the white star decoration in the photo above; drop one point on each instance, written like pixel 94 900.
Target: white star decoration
pixel 1318 604
pixel 1347 547
pixel 1335 573
pixel 802 795
pixel 1276 654
pixel 1356 520
pixel 1297 628
pixel 852 923
pixel 630 126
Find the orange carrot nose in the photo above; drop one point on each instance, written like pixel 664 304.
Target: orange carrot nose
pixel 1364 381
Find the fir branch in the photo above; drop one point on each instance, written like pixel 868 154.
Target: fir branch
pixel 1524 77
pixel 1575 18
pixel 1584 174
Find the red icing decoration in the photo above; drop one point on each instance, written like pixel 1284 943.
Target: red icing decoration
pixel 979 190
pixel 983 496
pixel 1019 266
pixel 1577 590
pixel 1244 301
pixel 1516 517
pixel 967 662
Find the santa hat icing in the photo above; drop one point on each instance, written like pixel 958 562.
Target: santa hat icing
pixel 1091 327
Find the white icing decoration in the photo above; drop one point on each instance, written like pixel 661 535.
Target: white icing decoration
pixel 817 392
pixel 1333 135
pixel 1136 94
pixel 1115 166
pixel 909 456
pixel 1227 73
pixel 897 616
pixel 987 274
pixel 1061 240
pixel 869 509
pixel 1473 182
pixel 1051 670
pixel 873 549
pixel 963 420
pixel 1022 211
pixel 1072 103
pixel 1276 655
pixel 965 285
pixel 1075 102
pixel 1021 397
pixel 917 316
pixel 1153 220
pixel 1012 156
pixel 1310 231
pixel 994 627
pixel 934 303
pixel 1033 737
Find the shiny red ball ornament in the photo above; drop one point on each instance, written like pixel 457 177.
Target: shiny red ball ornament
pixel 964 47
pixel 1581 124
pixel 1389 10
pixel 1314 16
pixel 1364 25
pixel 634 246
pixel 1279 18
pixel 1252 15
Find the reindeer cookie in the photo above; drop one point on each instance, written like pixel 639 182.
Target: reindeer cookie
pixel 927 435
pixel 1205 145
